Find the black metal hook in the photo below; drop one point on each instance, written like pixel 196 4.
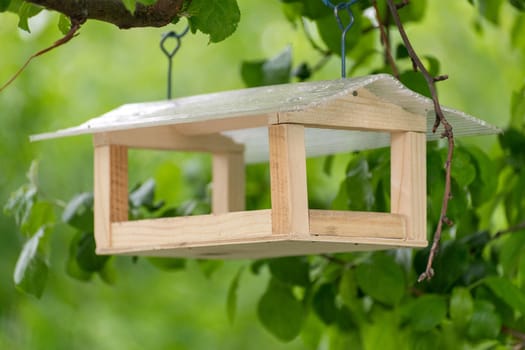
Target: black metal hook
pixel 170 53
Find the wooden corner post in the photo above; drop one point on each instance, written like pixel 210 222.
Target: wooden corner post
pixel 111 190
pixel 288 179
pixel 228 182
pixel 408 192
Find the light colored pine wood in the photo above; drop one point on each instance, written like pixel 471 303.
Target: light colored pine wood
pixel 364 111
pixel 110 190
pixel 228 182
pixel 191 231
pixel 227 124
pixel 408 181
pixel 289 195
pixel 167 138
pixel 263 247
pixel 248 234
pixel 357 224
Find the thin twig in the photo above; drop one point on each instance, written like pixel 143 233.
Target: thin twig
pixel 385 41
pixel 519 336
pixel 512 229
pixel 448 133
pixel 75 26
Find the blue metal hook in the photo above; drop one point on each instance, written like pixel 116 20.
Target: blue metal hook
pixel 342 6
pixel 170 53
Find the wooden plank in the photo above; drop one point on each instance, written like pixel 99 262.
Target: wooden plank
pixel 289 194
pixel 363 111
pixel 188 231
pixel 408 181
pixel 168 138
pixel 255 247
pixel 110 190
pixel 228 182
pixel 227 124
pixel 357 224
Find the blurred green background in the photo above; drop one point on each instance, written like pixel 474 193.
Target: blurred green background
pixel 105 67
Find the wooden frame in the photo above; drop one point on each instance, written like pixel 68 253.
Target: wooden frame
pixel 289 227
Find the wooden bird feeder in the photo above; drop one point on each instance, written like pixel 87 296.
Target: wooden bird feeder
pixel 285 124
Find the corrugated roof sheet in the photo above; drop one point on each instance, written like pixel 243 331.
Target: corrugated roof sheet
pixel 279 98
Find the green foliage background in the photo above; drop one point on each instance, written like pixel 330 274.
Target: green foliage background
pixel 483 50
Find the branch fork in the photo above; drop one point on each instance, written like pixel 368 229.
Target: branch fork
pixel 440 120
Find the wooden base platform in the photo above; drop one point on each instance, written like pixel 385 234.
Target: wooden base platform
pixel 248 234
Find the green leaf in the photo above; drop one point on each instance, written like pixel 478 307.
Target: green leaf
pixel 358 187
pixel 31 268
pixel 231 300
pixel 433 65
pixel 312 332
pixel 452 258
pixel 382 279
pixel 280 312
pixel 415 81
pixel 348 288
pixel 518 4
pixel 312 9
pixel 401 52
pixel 324 305
pixel 26 11
pixel 4 5
pixel 130 5
pixel 276 70
pixel 291 270
pixel 485 322
pixel 513 142
pixel 486 182
pixel 41 214
pixel 507 292
pixel 86 257
pixel 208 267
pixel 517 38
pixel 463 170
pixel 64 24
pixel 414 12
pixel 147 2
pixel 20 203
pixel 292 11
pixel 461 306
pixel 518 104
pixel 218 18
pixel 143 195
pixel 490 9
pixel 510 252
pixel 108 273
pixel 168 264
pixel 79 212
pixel 426 312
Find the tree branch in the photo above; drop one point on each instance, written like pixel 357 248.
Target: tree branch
pixel 75 26
pixel 448 133
pixel 113 11
pixel 385 41
pixel 512 229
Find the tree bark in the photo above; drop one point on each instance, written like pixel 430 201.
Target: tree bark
pixel 113 11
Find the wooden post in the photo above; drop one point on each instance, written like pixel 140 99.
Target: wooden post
pixel 111 190
pixel 288 179
pixel 228 182
pixel 408 181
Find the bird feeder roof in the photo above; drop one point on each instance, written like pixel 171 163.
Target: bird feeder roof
pixel 254 103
